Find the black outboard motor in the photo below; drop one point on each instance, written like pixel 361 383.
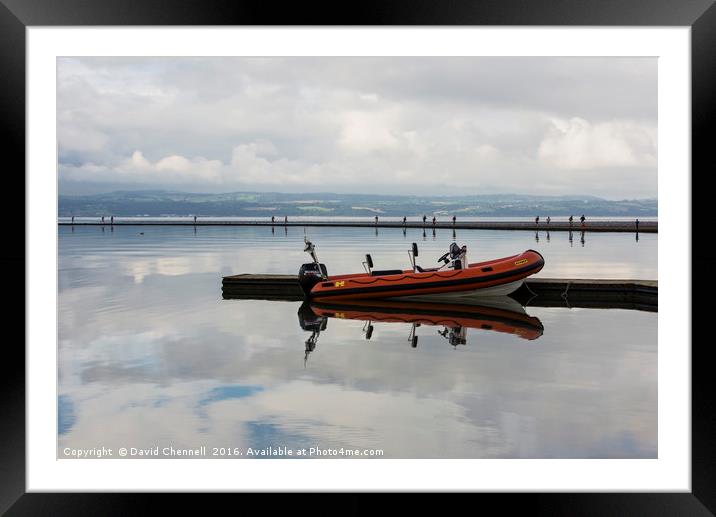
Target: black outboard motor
pixel 312 323
pixel 309 275
pixel 309 320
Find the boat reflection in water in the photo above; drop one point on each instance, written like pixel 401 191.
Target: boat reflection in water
pixel 495 314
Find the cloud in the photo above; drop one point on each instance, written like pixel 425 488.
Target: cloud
pixel 364 131
pixel 173 168
pixel 138 162
pixel 139 170
pixel 576 144
pixel 401 125
pixel 74 138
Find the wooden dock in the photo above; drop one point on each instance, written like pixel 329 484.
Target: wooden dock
pixel 541 292
pixel 561 226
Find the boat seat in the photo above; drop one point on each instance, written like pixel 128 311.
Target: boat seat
pixel 386 272
pixel 454 250
pixel 425 270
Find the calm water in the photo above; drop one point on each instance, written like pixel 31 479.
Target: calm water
pixel 151 356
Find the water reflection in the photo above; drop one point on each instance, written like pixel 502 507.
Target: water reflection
pixel 149 353
pixel 313 323
pixel 498 314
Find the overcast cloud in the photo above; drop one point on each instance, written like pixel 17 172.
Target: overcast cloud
pixel 364 125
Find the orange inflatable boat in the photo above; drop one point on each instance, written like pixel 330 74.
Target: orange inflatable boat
pixel 455 278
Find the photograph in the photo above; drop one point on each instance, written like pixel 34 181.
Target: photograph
pixel 346 257
pixel 418 253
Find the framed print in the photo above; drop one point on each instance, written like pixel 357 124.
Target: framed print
pixel 178 162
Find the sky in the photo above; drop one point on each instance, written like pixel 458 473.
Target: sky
pixel 374 125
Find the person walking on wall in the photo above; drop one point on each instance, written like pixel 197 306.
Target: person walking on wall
pixel 537 220
pixel 453 220
pixel 582 219
pixel 571 218
pixel 548 219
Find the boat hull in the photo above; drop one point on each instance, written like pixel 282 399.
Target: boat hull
pixel 460 296
pixel 492 278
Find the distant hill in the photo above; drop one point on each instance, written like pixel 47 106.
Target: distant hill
pixel 260 204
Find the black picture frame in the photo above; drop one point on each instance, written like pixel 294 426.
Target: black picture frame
pixel 700 15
